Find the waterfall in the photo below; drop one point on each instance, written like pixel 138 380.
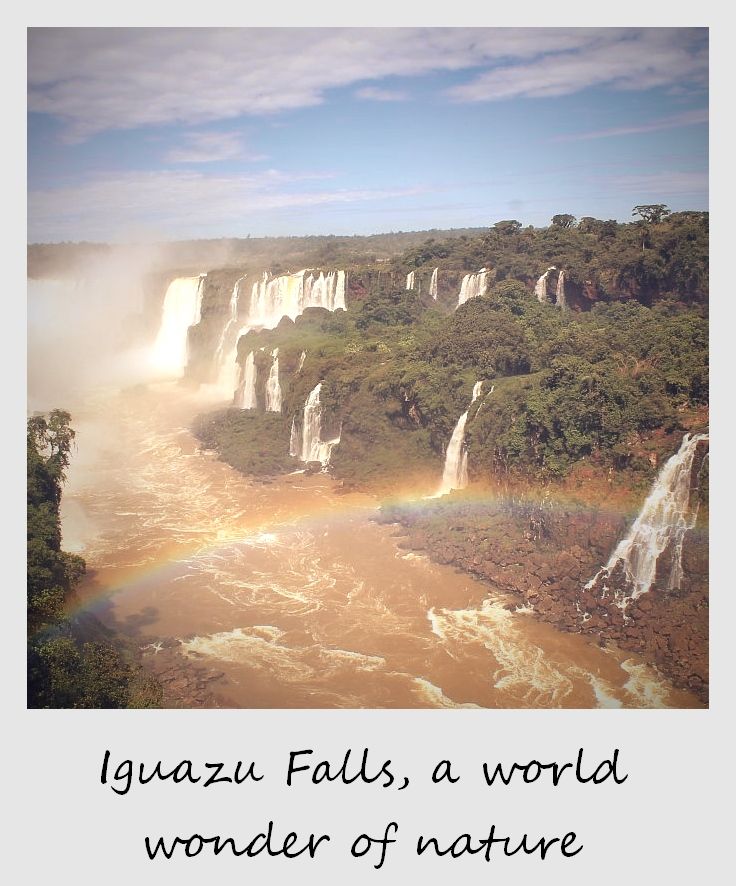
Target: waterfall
pixel 226 356
pixel 273 388
pixel 288 295
pixel 560 299
pixel 433 284
pixel 665 517
pixel 540 288
pixel 181 309
pixel 410 280
pixel 455 474
pixel 295 444
pixel 308 445
pixel 245 396
pixel 472 286
pixel 232 319
pixel 302 358
pixel 324 291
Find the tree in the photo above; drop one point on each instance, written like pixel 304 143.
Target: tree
pixel 589 225
pixel 653 213
pixel 507 226
pixel 52 439
pixel 564 220
pixel 608 229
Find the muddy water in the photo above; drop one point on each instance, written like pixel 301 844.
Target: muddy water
pixel 292 593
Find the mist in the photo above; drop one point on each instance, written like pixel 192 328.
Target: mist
pixel 90 327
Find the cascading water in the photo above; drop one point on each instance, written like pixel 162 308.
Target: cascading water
pixel 309 446
pixel 273 387
pixel 560 299
pixel 433 284
pixel 665 517
pixel 540 288
pixel 245 396
pixel 295 443
pixel 325 291
pixel 181 309
pixel 473 285
pixel 288 296
pixel 455 474
pixel 227 348
pixel 410 279
pixel 302 358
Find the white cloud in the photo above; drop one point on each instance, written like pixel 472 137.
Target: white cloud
pixel 376 94
pixel 209 147
pixel 686 118
pixel 628 60
pixel 96 79
pixel 179 203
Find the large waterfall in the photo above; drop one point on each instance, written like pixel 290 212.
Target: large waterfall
pixel 540 288
pixel 433 284
pixel 181 309
pixel 665 517
pixel 308 445
pixel 245 396
pixel 455 474
pixel 273 387
pixel 560 299
pixel 288 295
pixel 473 285
pixel 285 296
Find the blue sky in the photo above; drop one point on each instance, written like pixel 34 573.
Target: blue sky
pixel 159 134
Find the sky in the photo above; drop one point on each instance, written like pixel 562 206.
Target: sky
pixel 152 134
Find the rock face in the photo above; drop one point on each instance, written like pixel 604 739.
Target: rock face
pixel 204 337
pixel 545 553
pixel 185 682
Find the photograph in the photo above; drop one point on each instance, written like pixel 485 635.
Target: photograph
pixel 367 368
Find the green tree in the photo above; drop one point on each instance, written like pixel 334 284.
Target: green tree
pixel 507 226
pixel 653 213
pixel 564 220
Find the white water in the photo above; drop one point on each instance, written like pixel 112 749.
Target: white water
pixel 410 280
pixel 245 396
pixel 472 286
pixel 308 445
pixel 302 358
pixel 560 299
pixel 540 289
pixel 664 519
pixel 181 309
pixel 433 284
pixel 455 474
pixel 273 387
pixel 267 582
pixel 227 348
pixel 295 443
pixel 288 295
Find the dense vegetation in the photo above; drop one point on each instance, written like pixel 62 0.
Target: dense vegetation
pixel 658 255
pixel 568 385
pixel 65 670
pixel 620 373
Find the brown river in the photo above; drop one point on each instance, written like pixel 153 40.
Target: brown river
pixel 290 591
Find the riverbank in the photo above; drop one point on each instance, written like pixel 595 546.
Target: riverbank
pixel 543 552
pixel 241 593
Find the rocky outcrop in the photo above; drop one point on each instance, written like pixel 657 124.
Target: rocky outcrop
pixel 544 553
